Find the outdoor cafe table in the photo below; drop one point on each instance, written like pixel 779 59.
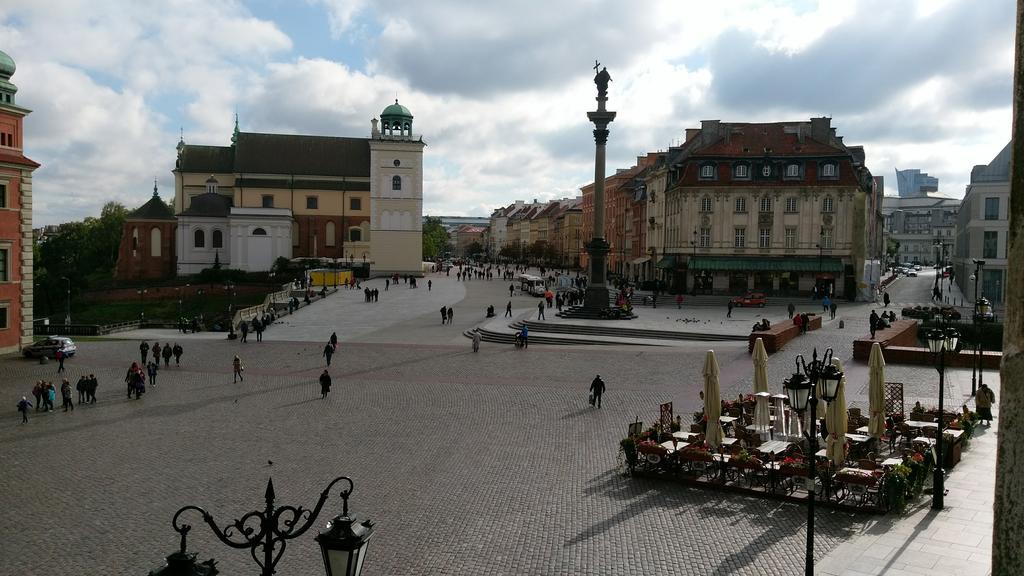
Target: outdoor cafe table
pixel 863 430
pixel 773 446
pixel 921 424
pixel 892 462
pixel 685 436
pixel 857 437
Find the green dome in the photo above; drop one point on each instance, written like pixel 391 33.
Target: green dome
pixel 395 109
pixel 7 67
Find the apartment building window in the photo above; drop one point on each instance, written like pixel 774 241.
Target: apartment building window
pixel 707 171
pixel 355 203
pixel 991 209
pixel 742 171
pixel 355 234
pixel 705 204
pixel 766 204
pixel 828 170
pixel 396 182
pixel 4 322
pixel 268 201
pixel 5 275
pixel 790 237
pixel 826 238
pixel 764 239
pixel 792 171
pixel 990 247
pixel 312 202
pixel 741 204
pixel 3 195
pixel 791 204
pixel 740 238
pixel 705 238
pixel 827 204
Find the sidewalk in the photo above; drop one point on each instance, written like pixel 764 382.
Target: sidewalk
pixel 955 540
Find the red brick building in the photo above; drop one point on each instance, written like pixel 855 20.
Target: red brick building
pixel 147 246
pixel 15 218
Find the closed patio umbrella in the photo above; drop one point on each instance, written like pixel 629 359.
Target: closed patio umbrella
pixel 876 395
pixel 780 415
pixel 762 420
pixel 712 401
pixel 835 421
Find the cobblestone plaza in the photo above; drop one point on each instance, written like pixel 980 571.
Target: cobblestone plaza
pixel 487 463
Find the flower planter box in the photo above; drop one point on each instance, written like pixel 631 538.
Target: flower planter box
pixel 794 471
pixel 696 456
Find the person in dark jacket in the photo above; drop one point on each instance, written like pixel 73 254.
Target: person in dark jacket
pixel 143 351
pixel 597 389
pixel 65 392
pixel 873 323
pixel 328 352
pixel 167 352
pixel 23 407
pixel 325 384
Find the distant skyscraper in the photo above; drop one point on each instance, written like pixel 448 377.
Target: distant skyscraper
pixel 913 183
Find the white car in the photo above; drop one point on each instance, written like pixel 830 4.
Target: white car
pixel 917 267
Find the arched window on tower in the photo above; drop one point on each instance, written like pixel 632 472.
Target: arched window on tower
pixel 199 238
pixel 406 130
pixel 396 182
pixel 155 241
pixel 259 232
pixel 218 239
pixel 329 234
pixel 135 240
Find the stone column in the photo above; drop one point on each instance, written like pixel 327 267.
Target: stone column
pixel 597 290
pixel 1007 537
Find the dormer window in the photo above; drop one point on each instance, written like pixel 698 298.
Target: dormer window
pixel 707 172
pixel 741 171
pixel 828 170
pixel 211 185
pixel 792 171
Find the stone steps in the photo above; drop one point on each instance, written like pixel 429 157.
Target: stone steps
pixel 509 338
pixel 625 333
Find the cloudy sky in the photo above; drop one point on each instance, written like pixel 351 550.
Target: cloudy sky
pixel 499 89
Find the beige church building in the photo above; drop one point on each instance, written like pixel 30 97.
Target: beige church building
pixel 268 196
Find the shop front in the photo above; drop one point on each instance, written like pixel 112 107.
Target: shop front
pixel 773 276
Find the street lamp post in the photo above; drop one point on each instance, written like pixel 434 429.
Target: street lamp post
pixel 693 258
pixel 821 246
pixel 67 300
pixel 230 288
pixel 976 366
pixel 801 390
pixel 265 534
pixel 939 341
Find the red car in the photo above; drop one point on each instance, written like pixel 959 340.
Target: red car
pixel 751 299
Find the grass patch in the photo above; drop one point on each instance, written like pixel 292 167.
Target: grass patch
pixel 210 307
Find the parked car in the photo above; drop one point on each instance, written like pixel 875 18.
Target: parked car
pixel 49 346
pixel 751 299
pixel 912 273
pixel 917 267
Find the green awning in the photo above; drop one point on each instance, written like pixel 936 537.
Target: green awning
pixel 666 262
pixel 741 264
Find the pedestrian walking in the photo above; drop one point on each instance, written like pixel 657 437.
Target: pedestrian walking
pixel 873 323
pixel 596 390
pixel 37 392
pixel 430 284
pixel 328 352
pixel 178 351
pixel 983 401
pixel 805 322
pixel 508 309
pixel 524 335
pixel 476 340
pixel 65 393
pixel 825 303
pixel 245 330
pixel 23 407
pixel 540 310
pixel 451 314
pixel 885 299
pixel 91 384
pixel 728 313
pixel 791 309
pixel 166 352
pixel 59 355
pixel 143 352
pixel 511 290
pixel 258 327
pixel 832 308
pixel 151 369
pixel 80 387
pixel 444 315
pixel 129 378
pixel 51 396
pixel 156 352
pixel 325 384
pixel 237 368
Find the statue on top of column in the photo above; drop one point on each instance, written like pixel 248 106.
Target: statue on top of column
pixel 602 79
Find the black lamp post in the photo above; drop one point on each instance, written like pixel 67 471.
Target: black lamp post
pixel 265 534
pixel 67 301
pixel 230 287
pixel 939 341
pixel 976 366
pixel 693 243
pixel 800 387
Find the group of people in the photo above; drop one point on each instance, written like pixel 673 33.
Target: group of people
pixel 165 351
pixel 447 314
pixel 135 381
pixel 371 295
pixel 45 394
pixel 876 322
pixel 802 321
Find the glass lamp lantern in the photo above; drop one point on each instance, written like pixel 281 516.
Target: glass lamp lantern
pixel 936 339
pixel 952 339
pixel 798 388
pixel 830 377
pixel 344 545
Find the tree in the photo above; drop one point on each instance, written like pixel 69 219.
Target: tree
pixel 474 249
pixel 435 238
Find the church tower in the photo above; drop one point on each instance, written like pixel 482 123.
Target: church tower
pixel 396 193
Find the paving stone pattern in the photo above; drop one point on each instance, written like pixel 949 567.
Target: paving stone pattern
pixel 488 463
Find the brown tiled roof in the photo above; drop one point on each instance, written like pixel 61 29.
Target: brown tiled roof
pixel 296 154
pixel 154 209
pixel 752 139
pixel 209 204
pixel 12 157
pixel 220 159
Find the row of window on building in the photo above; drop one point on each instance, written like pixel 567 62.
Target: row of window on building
pixel 764 238
pixel 313 202
pixel 766 204
pixel 792 170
